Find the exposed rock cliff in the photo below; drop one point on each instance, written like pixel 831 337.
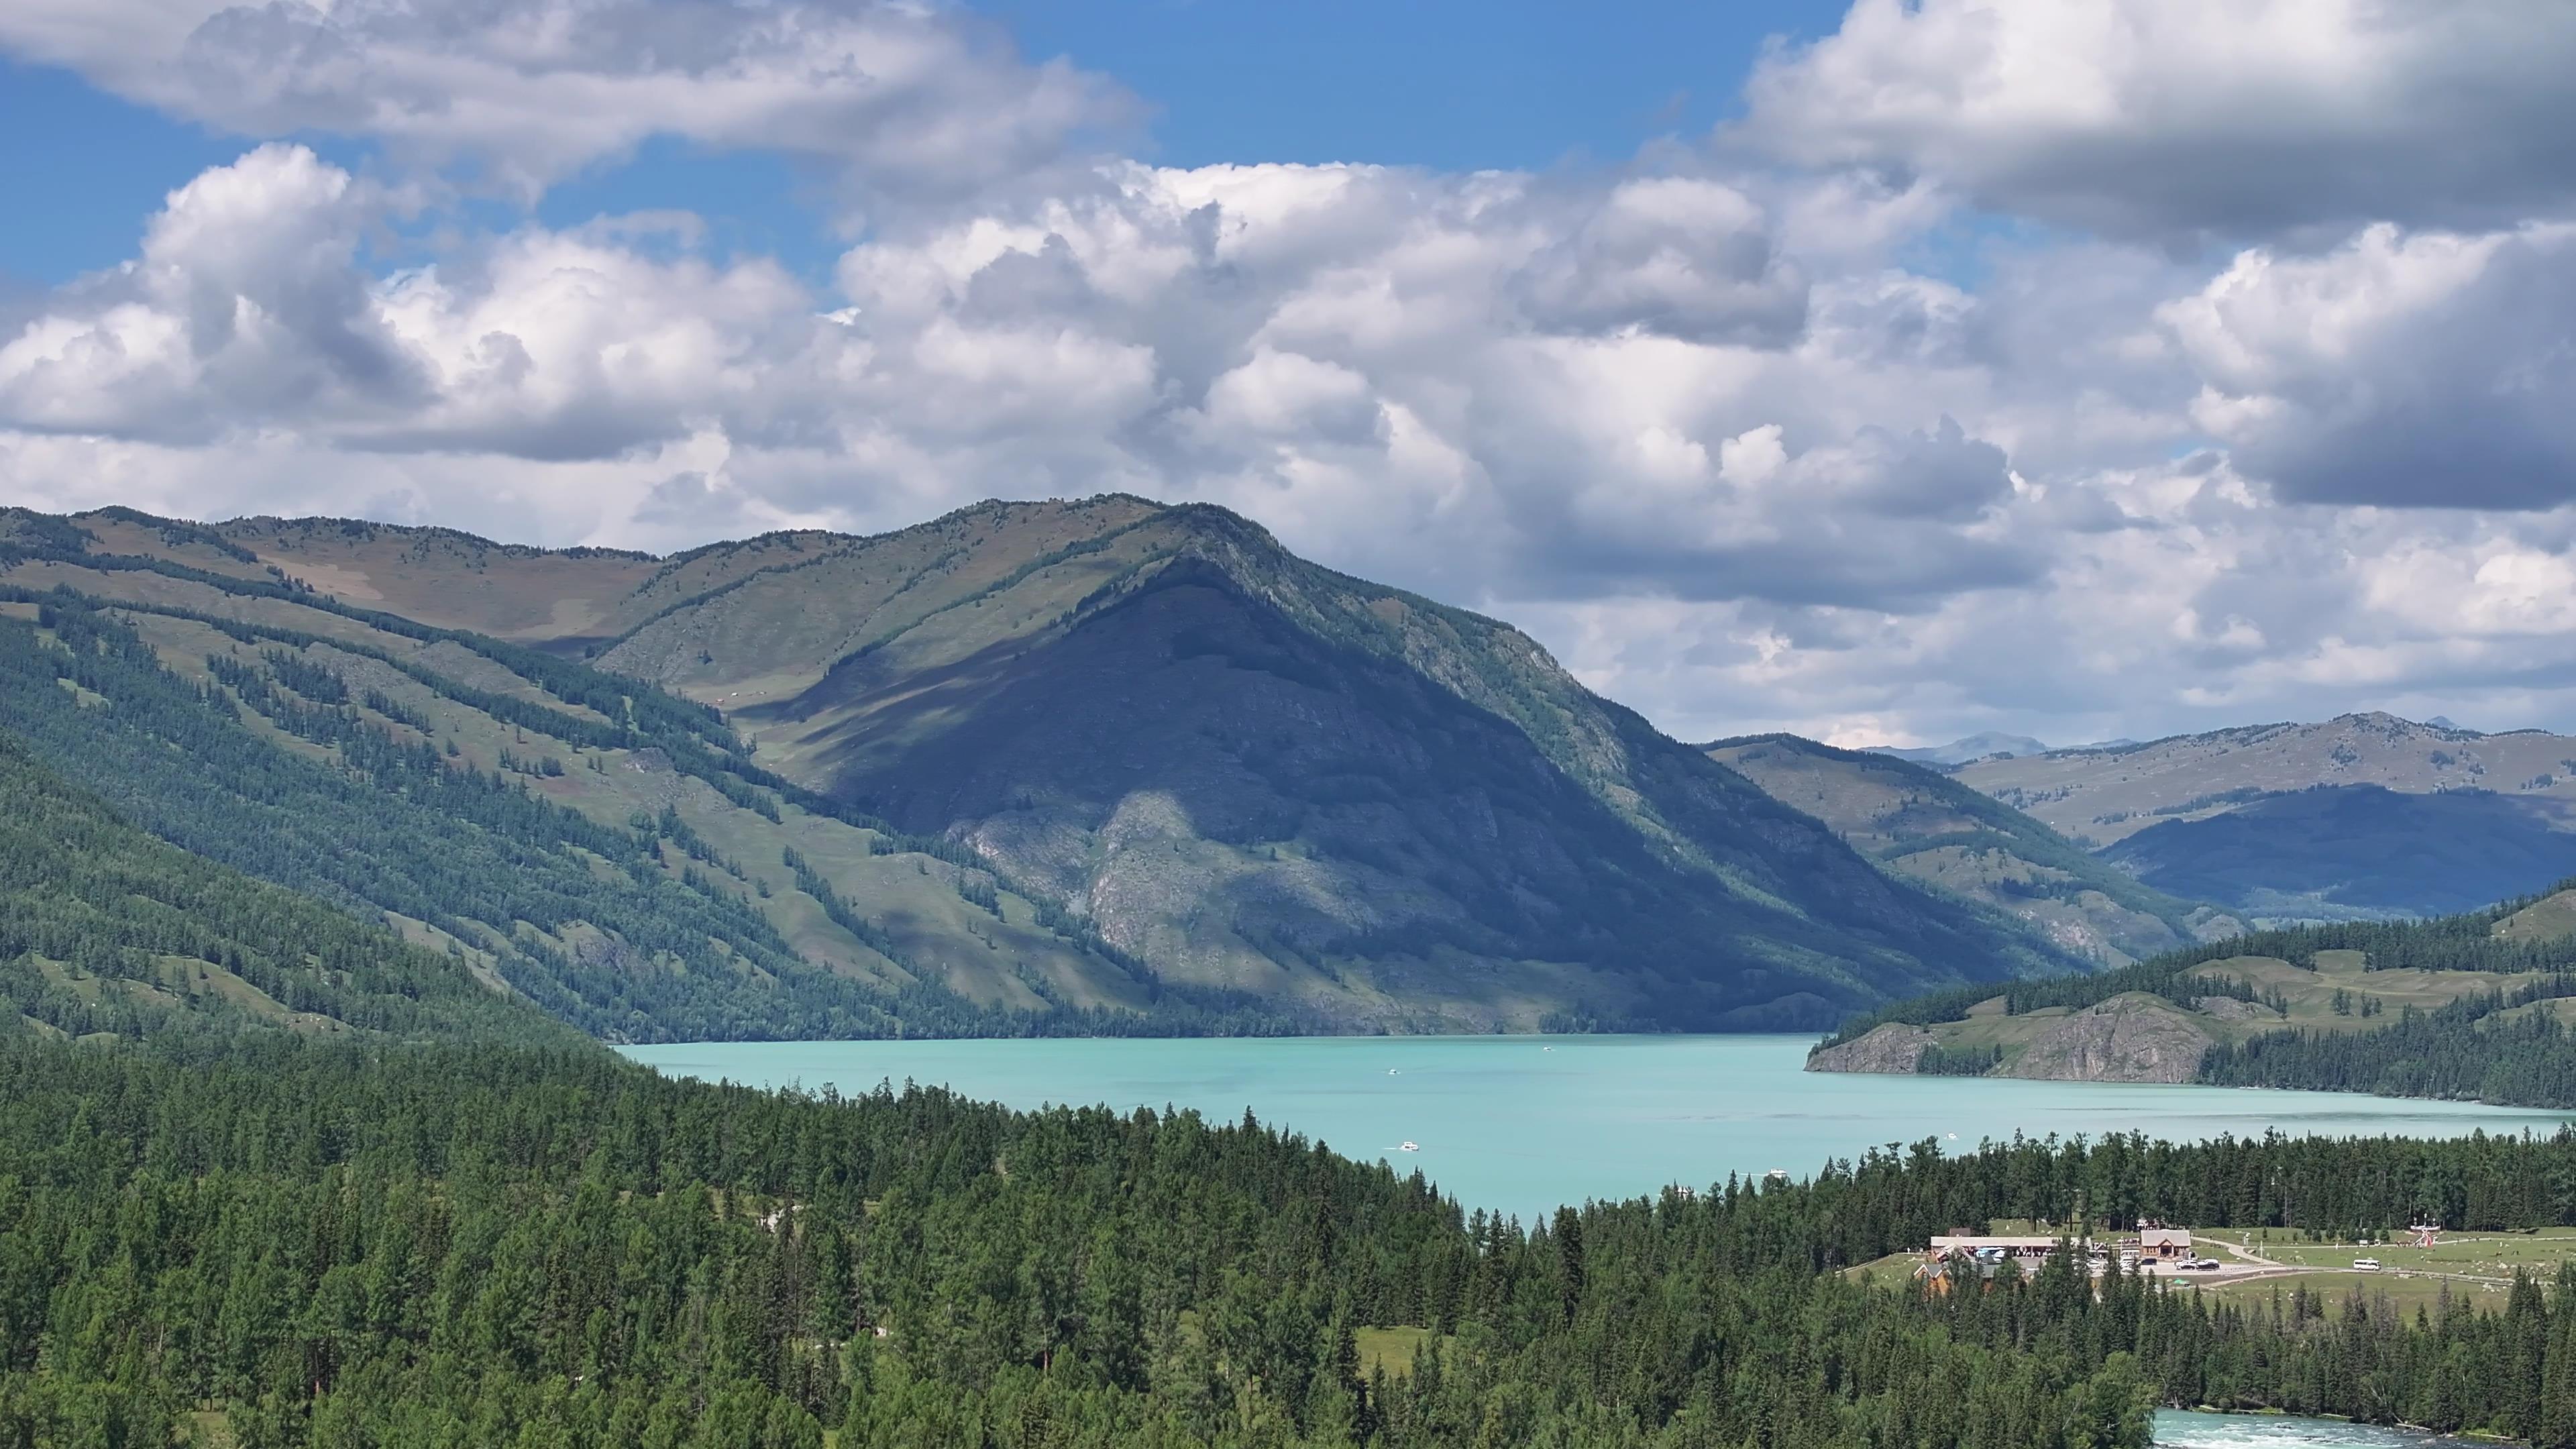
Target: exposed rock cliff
pixel 1893 1048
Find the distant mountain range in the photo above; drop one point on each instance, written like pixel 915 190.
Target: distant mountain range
pixel 1094 766
pixel 1960 752
pixel 2363 815
pixel 1919 823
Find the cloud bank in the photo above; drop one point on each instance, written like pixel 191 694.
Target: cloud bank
pixel 2065 367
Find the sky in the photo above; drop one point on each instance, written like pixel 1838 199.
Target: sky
pixel 1884 372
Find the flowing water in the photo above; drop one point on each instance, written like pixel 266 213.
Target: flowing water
pixel 1523 1123
pixel 2178 1430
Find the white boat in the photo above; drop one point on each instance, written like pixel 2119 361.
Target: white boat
pixel 1412 1147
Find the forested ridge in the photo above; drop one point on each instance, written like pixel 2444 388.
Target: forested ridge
pixel 104 929
pixel 2507 1045
pixel 388 822
pixel 316 1242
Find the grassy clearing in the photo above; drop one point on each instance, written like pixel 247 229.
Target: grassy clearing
pixel 1894 1268
pixel 2402 1294
pixel 1393 1349
pixel 2309 995
pixel 2487 1255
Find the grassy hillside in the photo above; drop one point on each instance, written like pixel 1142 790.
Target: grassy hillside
pixel 107 932
pixel 1039 765
pixel 600 845
pixel 2468 1006
pixel 1921 823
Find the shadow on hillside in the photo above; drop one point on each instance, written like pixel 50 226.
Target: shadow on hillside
pixel 2361 847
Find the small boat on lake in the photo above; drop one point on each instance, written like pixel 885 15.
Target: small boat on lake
pixel 1411 1147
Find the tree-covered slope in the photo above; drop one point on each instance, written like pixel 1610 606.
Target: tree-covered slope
pixel 1040 766
pixel 105 930
pixel 602 846
pixel 1929 827
pixel 417 1248
pixel 2475 1006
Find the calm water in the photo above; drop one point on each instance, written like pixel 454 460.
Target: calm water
pixel 2264 1431
pixel 1524 1123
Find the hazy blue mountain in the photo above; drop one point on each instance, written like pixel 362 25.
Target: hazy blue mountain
pixel 1974 747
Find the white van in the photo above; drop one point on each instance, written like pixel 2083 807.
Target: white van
pixel 2365 1265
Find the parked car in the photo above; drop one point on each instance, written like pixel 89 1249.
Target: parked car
pixel 2198 1265
pixel 2365 1265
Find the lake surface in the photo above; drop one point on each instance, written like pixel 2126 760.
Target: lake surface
pixel 1523 1123
pixel 2177 1430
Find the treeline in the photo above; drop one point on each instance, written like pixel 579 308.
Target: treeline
pixel 441 1245
pixel 2470 1049
pixel 105 929
pixel 398 827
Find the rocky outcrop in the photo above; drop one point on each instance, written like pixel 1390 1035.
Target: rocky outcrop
pixel 1893 1048
pixel 2129 1038
pixel 2228 1008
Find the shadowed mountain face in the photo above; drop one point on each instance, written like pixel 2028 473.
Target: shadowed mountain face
pixel 2363 814
pixel 1920 823
pixel 1076 755
pixel 2356 851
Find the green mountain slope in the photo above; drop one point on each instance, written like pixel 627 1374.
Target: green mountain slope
pixel 107 930
pixel 1256 773
pixel 589 840
pixel 1924 825
pixel 2472 1006
pixel 1028 767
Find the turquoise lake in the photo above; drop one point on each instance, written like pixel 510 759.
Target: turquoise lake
pixel 1523 1123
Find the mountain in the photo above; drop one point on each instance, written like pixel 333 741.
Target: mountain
pixel 1093 766
pixel 1923 825
pixel 106 932
pixel 2356 850
pixel 1960 752
pixel 2364 815
pixel 2473 1006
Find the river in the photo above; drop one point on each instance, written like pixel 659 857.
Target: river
pixel 2177 1430
pixel 1523 1123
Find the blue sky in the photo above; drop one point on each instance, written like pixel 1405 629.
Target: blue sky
pixel 1442 84
pixel 2080 368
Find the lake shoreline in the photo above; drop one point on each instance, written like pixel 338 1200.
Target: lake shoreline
pixel 1526 1122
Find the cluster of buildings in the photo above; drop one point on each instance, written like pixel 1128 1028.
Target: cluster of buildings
pixel 2153 1246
